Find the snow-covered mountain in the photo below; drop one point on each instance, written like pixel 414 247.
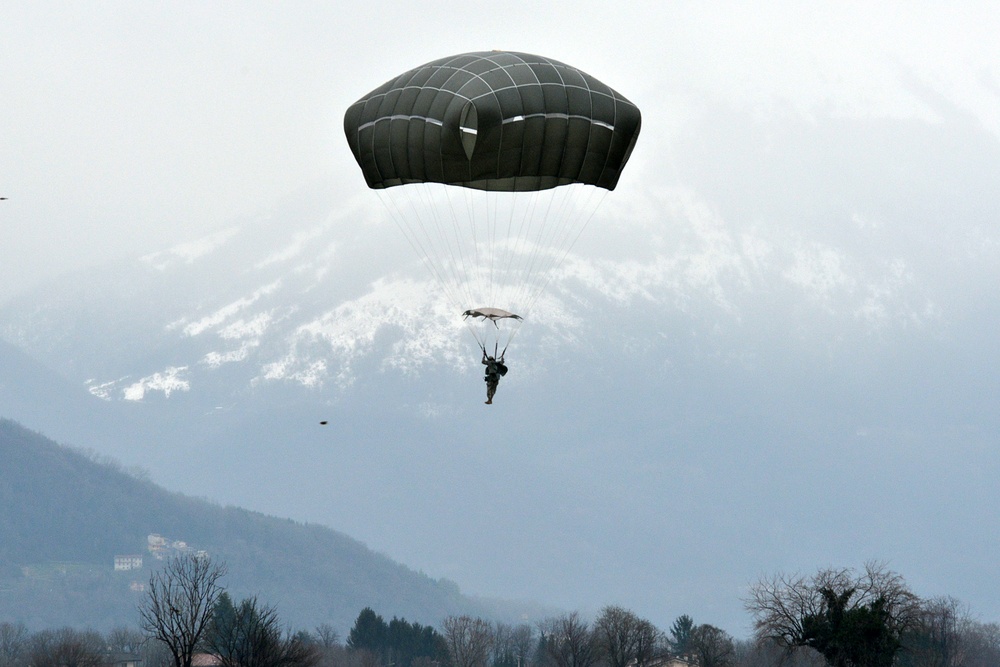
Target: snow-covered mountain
pixel 299 297
pixel 303 295
pixel 724 377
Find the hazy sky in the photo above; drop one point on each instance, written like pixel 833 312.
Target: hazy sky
pixel 830 170
pixel 128 126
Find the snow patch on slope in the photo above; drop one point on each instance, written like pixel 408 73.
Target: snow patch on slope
pixel 216 359
pixel 103 390
pixel 168 381
pixel 427 331
pixel 224 313
pixel 704 261
pixel 299 243
pixel 188 252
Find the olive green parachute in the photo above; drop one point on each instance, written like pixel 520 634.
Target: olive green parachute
pixel 533 144
pixel 493 120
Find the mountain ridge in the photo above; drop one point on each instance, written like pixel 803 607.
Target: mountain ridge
pixel 699 361
pixel 58 505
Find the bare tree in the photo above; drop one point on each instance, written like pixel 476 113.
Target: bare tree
pixel 326 635
pixel 122 639
pixel 779 604
pixel 571 642
pixel 180 602
pixel 40 649
pixel 946 635
pixel 330 651
pixel 339 655
pixel 849 617
pixel 981 645
pixel 935 638
pixel 469 640
pixel 66 647
pixel 13 644
pixel 651 646
pixel 625 638
pixel 616 628
pixel 513 645
pixel 751 653
pixel 522 641
pixel 367 657
pixel 156 654
pixel 502 653
pixel 712 646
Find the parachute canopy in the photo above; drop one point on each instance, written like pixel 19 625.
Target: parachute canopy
pixel 533 146
pixel 493 120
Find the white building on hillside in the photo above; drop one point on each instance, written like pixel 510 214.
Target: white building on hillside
pixel 126 563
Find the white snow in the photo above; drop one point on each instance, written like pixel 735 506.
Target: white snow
pixel 227 311
pixel 428 327
pixel 188 252
pixel 215 359
pixel 103 390
pixel 298 244
pixel 252 328
pixel 168 382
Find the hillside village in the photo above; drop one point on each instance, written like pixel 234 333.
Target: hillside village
pixel 161 548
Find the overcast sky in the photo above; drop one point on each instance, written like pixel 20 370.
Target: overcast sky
pixel 127 126
pixel 854 145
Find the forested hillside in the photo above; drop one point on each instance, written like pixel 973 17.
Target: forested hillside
pixel 65 515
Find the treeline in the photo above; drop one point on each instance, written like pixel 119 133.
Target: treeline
pixel 836 617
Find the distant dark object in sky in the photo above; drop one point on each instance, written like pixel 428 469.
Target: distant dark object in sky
pixel 324 423
pixel 2 197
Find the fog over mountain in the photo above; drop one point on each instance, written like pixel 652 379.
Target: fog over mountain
pixel 773 348
pixel 725 378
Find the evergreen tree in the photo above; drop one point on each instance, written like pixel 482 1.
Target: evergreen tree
pixel 847 636
pixel 680 635
pixel 370 633
pixel 223 619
